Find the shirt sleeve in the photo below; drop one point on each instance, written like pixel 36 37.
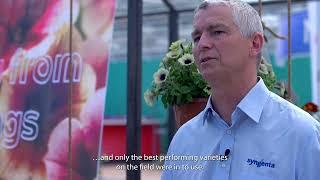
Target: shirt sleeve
pixel 308 167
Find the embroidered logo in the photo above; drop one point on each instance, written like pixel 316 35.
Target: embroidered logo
pixel 260 163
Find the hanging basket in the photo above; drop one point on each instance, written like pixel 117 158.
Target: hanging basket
pixel 187 111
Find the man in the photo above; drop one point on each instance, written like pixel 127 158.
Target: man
pixel 263 136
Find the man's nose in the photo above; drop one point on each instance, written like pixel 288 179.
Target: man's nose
pixel 204 42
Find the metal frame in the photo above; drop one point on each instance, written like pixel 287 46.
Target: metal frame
pixel 134 56
pixel 191 10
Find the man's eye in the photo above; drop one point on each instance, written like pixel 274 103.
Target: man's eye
pixel 196 39
pixel 218 32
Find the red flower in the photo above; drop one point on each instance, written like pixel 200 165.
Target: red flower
pixel 310 107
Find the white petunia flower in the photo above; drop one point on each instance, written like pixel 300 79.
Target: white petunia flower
pixel 269 66
pixel 175 45
pixel 173 54
pixel 263 69
pixel 186 59
pixel 160 76
pixel 149 97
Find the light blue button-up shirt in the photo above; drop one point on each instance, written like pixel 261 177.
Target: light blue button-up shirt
pixel 269 139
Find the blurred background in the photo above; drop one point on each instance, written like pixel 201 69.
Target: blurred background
pixel 155 129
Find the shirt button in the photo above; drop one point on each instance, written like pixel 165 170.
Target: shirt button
pixel 223 165
pixel 229 131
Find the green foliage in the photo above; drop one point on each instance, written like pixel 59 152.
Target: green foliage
pixel 266 72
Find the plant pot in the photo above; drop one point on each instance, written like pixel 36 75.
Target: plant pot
pixel 187 111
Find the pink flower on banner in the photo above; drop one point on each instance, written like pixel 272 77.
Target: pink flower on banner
pixel 29 30
pixel 39 29
pixel 35 26
pixel 102 11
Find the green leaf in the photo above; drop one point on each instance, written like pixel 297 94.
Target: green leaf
pixel 189 98
pixel 164 101
pixel 185 89
pixel 179 100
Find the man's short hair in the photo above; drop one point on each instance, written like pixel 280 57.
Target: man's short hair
pixel 244 16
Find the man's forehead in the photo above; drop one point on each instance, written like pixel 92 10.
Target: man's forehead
pixel 211 24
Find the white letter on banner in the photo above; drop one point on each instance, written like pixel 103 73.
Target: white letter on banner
pixel 30 128
pixel 45 63
pixel 13 70
pixel 77 68
pixel 12 128
pixel 56 75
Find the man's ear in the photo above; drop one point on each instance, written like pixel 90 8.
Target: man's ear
pixel 257 42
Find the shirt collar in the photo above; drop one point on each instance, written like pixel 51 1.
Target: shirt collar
pixel 207 110
pixel 252 104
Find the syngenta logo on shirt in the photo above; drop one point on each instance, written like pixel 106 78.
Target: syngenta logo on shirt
pixel 260 163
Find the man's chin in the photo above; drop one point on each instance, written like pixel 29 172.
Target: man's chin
pixel 209 73
pixel 214 77
pixel 209 76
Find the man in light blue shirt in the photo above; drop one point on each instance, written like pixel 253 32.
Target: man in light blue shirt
pixel 263 136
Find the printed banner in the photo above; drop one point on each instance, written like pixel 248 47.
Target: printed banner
pixel 35 83
pixel 300 56
pixel 314 26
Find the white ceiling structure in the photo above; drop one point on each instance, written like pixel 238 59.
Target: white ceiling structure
pixel 155 27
